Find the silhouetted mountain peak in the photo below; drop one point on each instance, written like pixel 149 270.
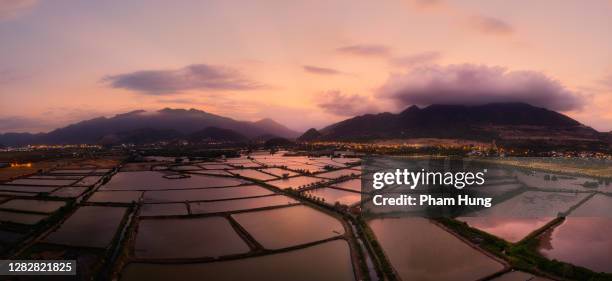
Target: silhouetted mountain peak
pixel 159 123
pixel 481 122
pixel 131 113
pixel 310 135
pixel 275 128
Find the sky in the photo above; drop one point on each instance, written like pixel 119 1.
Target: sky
pixel 302 63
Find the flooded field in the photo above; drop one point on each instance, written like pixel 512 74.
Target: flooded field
pixel 21 218
pixel 584 241
pixel 254 174
pixel 89 226
pixel 115 196
pixel 27 188
pixel 331 196
pixel 205 194
pixel 212 219
pixel 518 216
pixel 170 209
pixel 211 172
pixel 354 184
pixel 69 191
pixel 279 172
pixel 87 181
pixel 519 276
pixel 294 182
pixel 507 228
pixel 286 227
pixel 240 204
pixel 420 250
pixel 552 182
pixel 584 237
pixel 187 238
pixel 38 206
pixel 325 262
pixel 43 182
pixel 338 173
pixel 186 168
pixel 76 171
pixel 304 167
pixel 215 166
pixel 151 180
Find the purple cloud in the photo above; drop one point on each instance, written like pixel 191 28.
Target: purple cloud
pixel 191 77
pixel 337 103
pixel 365 50
pixel 477 84
pixel 320 70
pixel 490 25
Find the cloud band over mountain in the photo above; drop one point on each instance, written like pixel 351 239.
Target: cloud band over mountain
pixel 337 103
pixel 471 84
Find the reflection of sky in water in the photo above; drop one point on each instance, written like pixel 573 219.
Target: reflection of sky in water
pixel 509 229
pixel 584 241
pixel 584 237
pixel 334 195
pixel 420 250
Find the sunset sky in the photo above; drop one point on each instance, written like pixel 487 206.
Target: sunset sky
pixel 302 63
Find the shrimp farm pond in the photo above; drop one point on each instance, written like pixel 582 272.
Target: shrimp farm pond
pixel 287 216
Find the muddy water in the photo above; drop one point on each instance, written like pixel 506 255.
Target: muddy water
pixel 285 227
pixel 205 194
pixel 89 226
pixel 420 250
pixel 240 204
pixel 325 262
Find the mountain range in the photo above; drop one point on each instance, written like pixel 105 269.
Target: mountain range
pixel 510 122
pixel 503 122
pixel 141 126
